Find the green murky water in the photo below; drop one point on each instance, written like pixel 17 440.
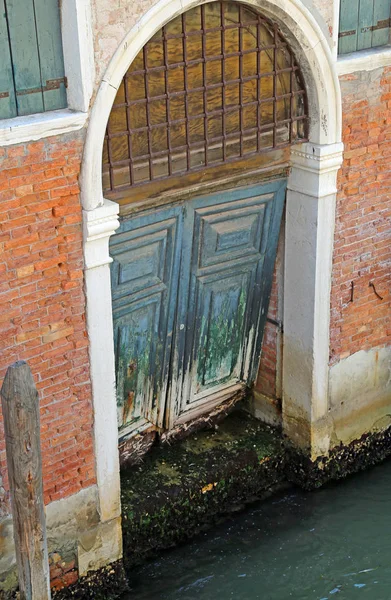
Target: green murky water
pixel 333 544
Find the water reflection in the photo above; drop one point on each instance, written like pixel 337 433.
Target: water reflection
pixel 333 544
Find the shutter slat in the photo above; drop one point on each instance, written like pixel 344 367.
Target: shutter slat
pixel 25 56
pixel 7 91
pixel 363 24
pixel 381 15
pixel 47 16
pixel 365 19
pixel 348 23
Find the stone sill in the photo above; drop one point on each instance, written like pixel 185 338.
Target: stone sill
pixel 31 128
pixel 364 60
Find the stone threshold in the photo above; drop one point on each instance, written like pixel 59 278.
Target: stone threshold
pixel 183 488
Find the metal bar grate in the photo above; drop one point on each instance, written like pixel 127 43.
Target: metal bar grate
pixel 215 85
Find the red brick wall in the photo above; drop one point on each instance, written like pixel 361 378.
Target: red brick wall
pixel 266 380
pixel 362 248
pixel 267 374
pixel 42 317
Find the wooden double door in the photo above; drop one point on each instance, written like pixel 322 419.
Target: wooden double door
pixel 190 288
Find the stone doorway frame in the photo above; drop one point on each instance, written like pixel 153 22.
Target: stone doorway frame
pixel 309 234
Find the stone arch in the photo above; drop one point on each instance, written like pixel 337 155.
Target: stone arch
pixel 309 239
pixel 299 28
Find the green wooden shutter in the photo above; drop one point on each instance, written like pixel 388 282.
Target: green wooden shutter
pixel 348 25
pixel 25 56
pixel 47 14
pixel 381 22
pixel 7 91
pixel 33 79
pixel 363 24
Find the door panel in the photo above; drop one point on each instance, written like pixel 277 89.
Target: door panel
pixel 221 304
pixel 146 254
pixel 190 288
pixel 228 256
pixel 136 346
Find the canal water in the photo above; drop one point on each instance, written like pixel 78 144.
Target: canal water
pixel 332 544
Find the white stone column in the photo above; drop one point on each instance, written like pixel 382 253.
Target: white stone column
pixel 78 47
pixel 310 218
pixel 99 225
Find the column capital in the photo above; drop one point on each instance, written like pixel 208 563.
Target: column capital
pixel 314 169
pixel 98 225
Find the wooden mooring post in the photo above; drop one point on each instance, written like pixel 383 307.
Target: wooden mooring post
pixel 20 407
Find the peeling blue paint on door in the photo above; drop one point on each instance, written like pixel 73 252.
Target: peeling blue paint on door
pixel 191 286
pixel 221 333
pixel 228 255
pixel 144 275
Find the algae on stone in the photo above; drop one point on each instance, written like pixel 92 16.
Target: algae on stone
pixel 183 488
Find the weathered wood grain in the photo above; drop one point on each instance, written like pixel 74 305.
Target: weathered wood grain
pixel 20 407
pixel 189 282
pixel 177 187
pixel 48 24
pixel 25 56
pixel 7 90
pixel 381 14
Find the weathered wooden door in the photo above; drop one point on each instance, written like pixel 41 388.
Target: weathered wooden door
pixel 144 275
pixel 191 286
pixel 228 254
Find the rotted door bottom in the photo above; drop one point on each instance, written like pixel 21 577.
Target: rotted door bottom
pixel 132 450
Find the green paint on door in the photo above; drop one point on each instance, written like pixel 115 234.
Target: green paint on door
pixel 221 337
pixel 191 286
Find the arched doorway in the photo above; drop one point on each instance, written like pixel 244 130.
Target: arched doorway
pixel 214 93
pixel 308 238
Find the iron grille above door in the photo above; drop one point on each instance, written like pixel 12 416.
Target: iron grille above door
pixel 215 85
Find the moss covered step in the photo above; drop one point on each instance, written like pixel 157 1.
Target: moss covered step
pixel 183 488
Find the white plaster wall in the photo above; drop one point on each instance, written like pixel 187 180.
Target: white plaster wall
pixel 360 394
pixel 328 11
pixel 113 20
